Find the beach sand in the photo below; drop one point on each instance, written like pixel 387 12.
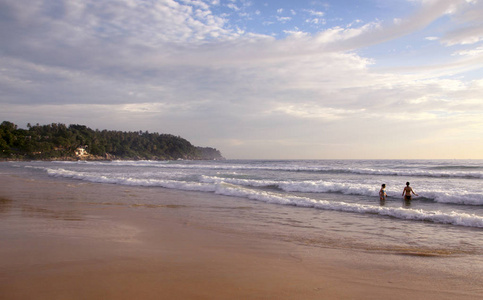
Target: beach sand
pixel 65 239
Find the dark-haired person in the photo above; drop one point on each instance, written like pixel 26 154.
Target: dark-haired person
pixel 407 192
pixel 382 194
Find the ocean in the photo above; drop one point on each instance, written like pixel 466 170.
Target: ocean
pixel 325 203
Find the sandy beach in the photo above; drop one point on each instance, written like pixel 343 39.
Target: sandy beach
pixel 66 239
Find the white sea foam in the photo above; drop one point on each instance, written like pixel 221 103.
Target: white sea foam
pixel 438 173
pixel 370 189
pixel 221 187
pixel 462 219
pixel 171 184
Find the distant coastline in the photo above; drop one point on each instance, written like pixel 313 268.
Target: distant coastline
pixel 58 142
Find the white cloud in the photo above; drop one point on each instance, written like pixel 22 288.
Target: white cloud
pixel 315 13
pixel 196 3
pixel 472 52
pixel 178 67
pixel 378 32
pixel 469 19
pixel 314 111
pixel 315 21
pixel 464 36
pixel 233 6
pixel 283 19
pixel 297 34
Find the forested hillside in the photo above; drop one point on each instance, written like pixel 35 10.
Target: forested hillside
pixel 58 141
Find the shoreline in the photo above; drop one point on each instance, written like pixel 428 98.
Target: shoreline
pixel 78 240
pixel 100 158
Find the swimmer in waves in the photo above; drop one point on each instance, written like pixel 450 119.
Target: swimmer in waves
pixel 382 195
pixel 407 192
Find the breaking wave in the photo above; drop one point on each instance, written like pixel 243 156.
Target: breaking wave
pixel 238 188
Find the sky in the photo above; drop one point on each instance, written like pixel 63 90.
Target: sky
pixel 298 79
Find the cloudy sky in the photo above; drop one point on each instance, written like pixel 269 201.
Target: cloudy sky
pixel 280 79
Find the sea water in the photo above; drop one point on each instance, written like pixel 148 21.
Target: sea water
pixel 329 203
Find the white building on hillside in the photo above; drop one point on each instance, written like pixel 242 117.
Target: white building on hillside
pixel 81 151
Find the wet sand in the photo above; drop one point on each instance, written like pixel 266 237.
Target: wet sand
pixel 64 239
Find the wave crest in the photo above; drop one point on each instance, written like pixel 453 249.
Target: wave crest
pixel 222 187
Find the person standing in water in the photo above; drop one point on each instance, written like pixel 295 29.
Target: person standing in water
pixel 407 192
pixel 382 194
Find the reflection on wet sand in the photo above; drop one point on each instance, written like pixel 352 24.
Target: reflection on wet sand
pixel 190 245
pixel 158 205
pixel 38 212
pixel 5 205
